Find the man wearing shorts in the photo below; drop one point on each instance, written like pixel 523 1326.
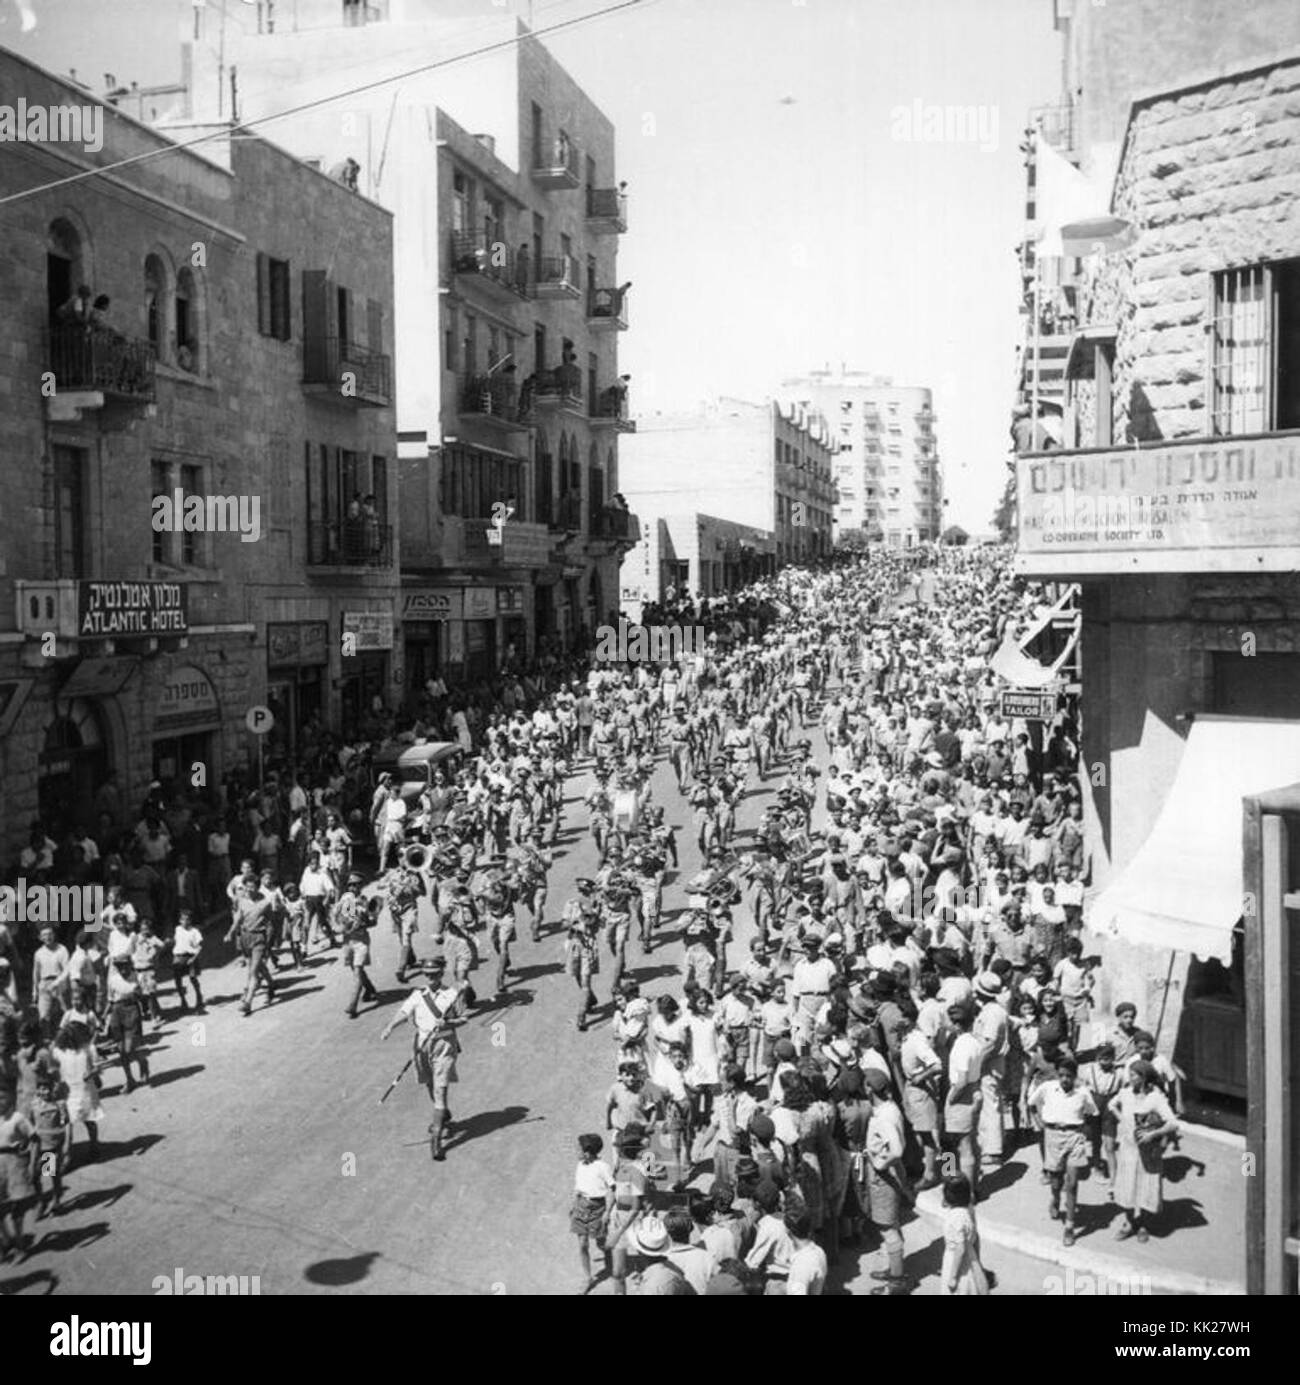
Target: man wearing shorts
pixel 434 1010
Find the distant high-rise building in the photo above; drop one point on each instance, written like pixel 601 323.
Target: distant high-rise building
pixel 886 458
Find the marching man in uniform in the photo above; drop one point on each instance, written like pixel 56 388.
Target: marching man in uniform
pixel 434 1011
pixel 403 891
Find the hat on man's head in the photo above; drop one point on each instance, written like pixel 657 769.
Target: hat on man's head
pixel 988 983
pixel 876 1081
pixel 762 1127
pixel 650 1237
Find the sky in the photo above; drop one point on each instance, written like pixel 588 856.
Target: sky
pixel 790 206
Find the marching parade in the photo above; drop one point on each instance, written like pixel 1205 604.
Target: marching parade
pixel 877 987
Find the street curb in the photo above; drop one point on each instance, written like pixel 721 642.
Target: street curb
pixel 1112 1267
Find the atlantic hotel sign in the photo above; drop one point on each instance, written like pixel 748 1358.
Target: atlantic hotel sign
pixel 1204 505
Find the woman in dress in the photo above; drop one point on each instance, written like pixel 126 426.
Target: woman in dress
pixel 668 1027
pixel 78 1067
pixel 1144 1123
pixel 704 1076
pixel 963 1274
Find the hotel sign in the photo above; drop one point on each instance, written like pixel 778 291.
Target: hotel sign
pixel 115 609
pixel 1204 505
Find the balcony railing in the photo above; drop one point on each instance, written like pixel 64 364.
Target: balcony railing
pixel 607 309
pixel 612 522
pixel 102 360
pixel 491 396
pixel 555 163
pixel 489 262
pixel 352 542
pixel 607 210
pixel 557 277
pixel 611 406
pixel 354 372
pixel 560 387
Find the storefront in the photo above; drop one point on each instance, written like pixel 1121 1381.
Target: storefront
pixel 367 643
pixel 186 715
pixel 480 627
pixel 427 616
pixel 514 625
pixel 297 657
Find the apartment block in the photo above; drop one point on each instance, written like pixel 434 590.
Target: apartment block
pixel 138 649
pixel 507 210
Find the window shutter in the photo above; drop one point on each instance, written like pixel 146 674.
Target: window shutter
pixel 280 308
pixel 263 294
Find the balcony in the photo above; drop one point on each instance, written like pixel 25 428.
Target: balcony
pixel 610 407
pixel 561 389
pixel 492 399
pixel 342 370
pixel 489 267
pixel 349 543
pixel 555 165
pixel 1056 125
pixel 606 211
pixel 606 310
pixel 91 367
pixel 612 522
pixel 523 544
pixel 557 278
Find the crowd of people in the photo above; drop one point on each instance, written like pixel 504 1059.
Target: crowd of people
pixel 884 984
pixel 914 1000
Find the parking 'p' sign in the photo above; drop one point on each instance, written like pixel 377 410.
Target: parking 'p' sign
pixel 259 720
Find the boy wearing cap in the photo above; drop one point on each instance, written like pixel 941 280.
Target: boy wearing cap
pixel 434 1011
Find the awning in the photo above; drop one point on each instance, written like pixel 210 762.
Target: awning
pixel 1183 889
pixel 1022 670
pixel 98 678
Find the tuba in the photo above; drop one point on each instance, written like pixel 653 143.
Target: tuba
pixel 416 857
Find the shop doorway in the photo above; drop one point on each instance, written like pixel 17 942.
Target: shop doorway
pixel 73 763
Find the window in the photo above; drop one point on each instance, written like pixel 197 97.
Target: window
pixel 273 297
pixel 191 484
pixel 468 353
pixel 64 265
pixel 1254 384
pixel 449 340
pixel 462 199
pixel 155 304
pixel 593 394
pixel 778 451
pixel 539 236
pixel 159 477
pixel 566 253
pixel 539 160
pixel 493 346
pixel 539 348
pixel 494 222
pixel 187 322
pixel 69 512
pixel 343 297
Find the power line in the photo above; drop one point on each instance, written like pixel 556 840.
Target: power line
pixel 228 130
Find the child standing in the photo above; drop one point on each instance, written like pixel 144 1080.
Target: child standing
pixel 187 943
pixel 593 1198
pixel 53 1127
pixel 1074 982
pixel 1104 1079
pixel 144 957
pixel 963 1274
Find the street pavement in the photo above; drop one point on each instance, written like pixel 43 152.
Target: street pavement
pixel 260 1147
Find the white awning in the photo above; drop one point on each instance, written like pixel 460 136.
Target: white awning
pixel 1183 889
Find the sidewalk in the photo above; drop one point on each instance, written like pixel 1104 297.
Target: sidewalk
pixel 1197 1245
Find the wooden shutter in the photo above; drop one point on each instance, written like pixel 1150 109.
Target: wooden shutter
pixel 264 294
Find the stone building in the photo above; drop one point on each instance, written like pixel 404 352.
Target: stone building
pixel 500 173
pixel 765 466
pixel 137 650
pixel 700 553
pixel 1179 512
pixel 887 475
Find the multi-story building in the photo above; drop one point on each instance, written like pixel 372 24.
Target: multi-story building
pixel 1175 502
pixel 134 648
pixel 693 552
pixel 500 174
pixel 887 474
pixel 766 466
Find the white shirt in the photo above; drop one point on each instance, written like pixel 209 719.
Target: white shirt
pixel 593 1180
pixel 808 1270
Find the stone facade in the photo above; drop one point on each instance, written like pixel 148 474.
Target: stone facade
pixel 179 244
